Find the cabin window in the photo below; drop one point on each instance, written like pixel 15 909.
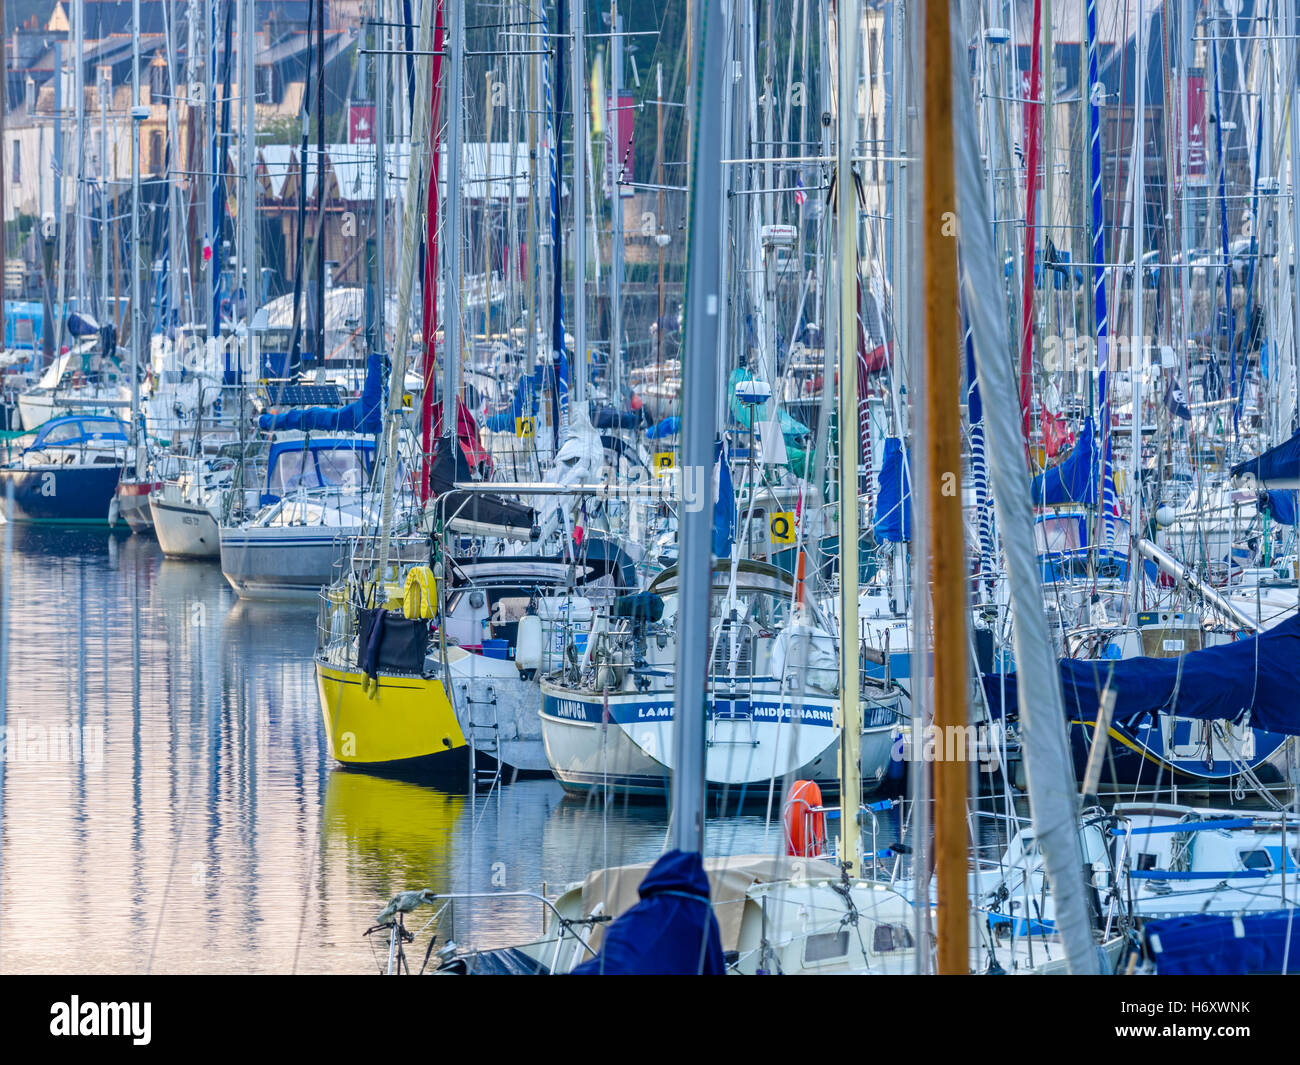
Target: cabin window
pixel 889 938
pixel 1058 534
pixel 343 468
pixel 826 946
pixel 61 434
pixel 318 469
pixel 1146 860
pixel 1256 859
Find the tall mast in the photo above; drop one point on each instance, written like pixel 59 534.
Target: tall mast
pixel 4 244
pixel 138 114
pixel 530 282
pixel 943 490
pixel 579 201
pixel 615 120
pixel 659 211
pixel 210 224
pixel 1136 348
pixel 320 184
pixel 379 339
pixel 252 278
pixel 79 110
pixel 1033 119
pixel 105 88
pixel 429 310
pixel 846 207
pixel 417 172
pixel 454 307
pixel 1293 125
pixel 699 357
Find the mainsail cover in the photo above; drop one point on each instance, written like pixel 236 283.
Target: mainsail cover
pixel 894 501
pixel 1278 467
pixel 1228 945
pixel 363 415
pixel 1074 479
pixel 1258 676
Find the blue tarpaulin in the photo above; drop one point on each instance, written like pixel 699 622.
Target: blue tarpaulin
pixel 894 501
pixel 1278 466
pixel 1259 675
pixel 670 426
pixel 523 405
pixel 363 415
pixel 671 932
pixel 1245 944
pixel 1074 479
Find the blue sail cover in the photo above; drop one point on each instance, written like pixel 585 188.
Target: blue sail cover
pixel 1280 505
pixel 671 932
pixel 894 500
pixel 1259 675
pixel 1247 944
pixel 363 415
pixel 523 405
pixel 1074 479
pixel 724 507
pixel 1278 466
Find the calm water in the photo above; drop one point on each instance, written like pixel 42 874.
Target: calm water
pixel 204 827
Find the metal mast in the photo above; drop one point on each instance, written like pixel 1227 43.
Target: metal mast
pixel 578 74
pixel 453 308
pixel 699 381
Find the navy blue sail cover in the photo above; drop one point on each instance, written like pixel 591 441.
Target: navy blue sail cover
pixel 1259 675
pixel 1074 478
pixel 1277 464
pixel 1248 944
pixel 671 932
pixel 894 500
pixel 363 415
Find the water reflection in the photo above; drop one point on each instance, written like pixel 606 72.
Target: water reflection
pixel 208 830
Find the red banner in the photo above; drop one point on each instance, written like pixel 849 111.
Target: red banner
pixel 361 124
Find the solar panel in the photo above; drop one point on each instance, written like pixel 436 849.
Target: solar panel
pixel 304 396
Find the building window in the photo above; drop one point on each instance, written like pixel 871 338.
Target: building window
pixel 18 168
pixel 156 152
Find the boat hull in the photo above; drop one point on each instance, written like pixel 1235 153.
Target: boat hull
pixel 623 743
pixel 63 495
pixel 1170 751
pixel 133 504
pixel 407 725
pixel 185 530
pixel 288 563
pixel 499 710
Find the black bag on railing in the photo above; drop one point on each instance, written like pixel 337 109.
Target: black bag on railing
pixel 391 642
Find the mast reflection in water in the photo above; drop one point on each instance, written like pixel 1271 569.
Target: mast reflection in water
pixel 169 804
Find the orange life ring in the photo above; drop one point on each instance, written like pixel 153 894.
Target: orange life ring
pixel 805 822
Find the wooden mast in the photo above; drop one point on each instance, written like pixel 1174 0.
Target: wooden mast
pixel 943 489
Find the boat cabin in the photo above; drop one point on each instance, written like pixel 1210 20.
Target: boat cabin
pixel 311 464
